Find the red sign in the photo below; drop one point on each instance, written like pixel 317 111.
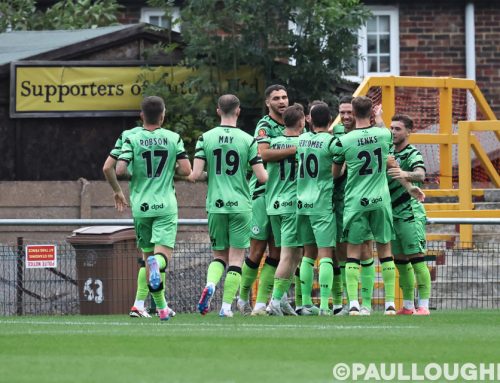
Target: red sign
pixel 41 256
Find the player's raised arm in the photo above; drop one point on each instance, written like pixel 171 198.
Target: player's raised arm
pixel 274 155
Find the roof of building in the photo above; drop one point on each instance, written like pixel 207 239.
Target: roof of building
pixel 19 45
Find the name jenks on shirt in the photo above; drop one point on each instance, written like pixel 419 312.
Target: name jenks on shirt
pixel 367 140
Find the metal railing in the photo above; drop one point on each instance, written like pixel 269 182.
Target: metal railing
pixel 101 278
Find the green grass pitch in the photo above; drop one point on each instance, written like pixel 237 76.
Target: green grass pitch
pixel 191 348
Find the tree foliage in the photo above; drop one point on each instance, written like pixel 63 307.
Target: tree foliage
pixel 20 15
pixel 305 45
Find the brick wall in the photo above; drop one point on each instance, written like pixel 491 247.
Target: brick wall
pixel 488 53
pixel 432 39
pixel 83 199
pixel 432 43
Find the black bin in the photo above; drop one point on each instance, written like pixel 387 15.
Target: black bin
pixel 106 267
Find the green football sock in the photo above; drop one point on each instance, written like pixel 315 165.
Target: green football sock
pixel 142 285
pixel 231 284
pixel 406 279
pixel 325 279
pixel 352 276
pixel 266 280
pixel 281 286
pixel 423 276
pixel 249 273
pixel 159 296
pixel 337 287
pixel 389 277
pixel 344 282
pixel 306 280
pixel 367 281
pixel 215 271
pixel 298 289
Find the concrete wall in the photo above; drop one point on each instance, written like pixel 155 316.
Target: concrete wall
pixel 82 199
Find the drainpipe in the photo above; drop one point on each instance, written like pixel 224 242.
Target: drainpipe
pixel 470 56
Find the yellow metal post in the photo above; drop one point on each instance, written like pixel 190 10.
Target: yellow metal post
pixel 388 101
pixel 464 178
pixel 445 149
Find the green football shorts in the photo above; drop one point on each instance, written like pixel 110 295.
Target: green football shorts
pixel 317 229
pixel 284 229
pixel 260 227
pixel 229 230
pixel 410 237
pixel 360 226
pixel 151 231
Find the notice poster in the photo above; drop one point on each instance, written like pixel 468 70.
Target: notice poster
pixel 41 256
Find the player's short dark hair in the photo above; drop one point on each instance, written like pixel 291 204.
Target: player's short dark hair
pixel 314 103
pixel 152 107
pixel 272 88
pixel 405 119
pixel 293 114
pixel 345 100
pixel 321 116
pixel 228 103
pixel 362 107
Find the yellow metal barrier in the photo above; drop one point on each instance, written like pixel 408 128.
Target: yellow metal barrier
pixel 445 138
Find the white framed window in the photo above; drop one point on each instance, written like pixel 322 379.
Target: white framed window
pixel 156 16
pixel 378 43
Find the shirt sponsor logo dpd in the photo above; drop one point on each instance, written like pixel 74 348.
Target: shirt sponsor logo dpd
pixel 220 203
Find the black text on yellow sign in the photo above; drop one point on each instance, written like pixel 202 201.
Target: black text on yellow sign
pixel 40 89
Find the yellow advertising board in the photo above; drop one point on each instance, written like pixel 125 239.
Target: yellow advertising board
pixel 75 89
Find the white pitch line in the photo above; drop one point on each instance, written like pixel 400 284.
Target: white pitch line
pixel 212 325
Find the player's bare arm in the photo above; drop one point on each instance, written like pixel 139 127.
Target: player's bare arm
pixel 338 170
pixel 183 167
pixel 109 173
pixel 274 155
pixel 198 174
pixel 417 175
pixel 260 172
pixel 122 171
pixel 378 112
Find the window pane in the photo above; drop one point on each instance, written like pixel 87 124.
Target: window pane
pixel 353 67
pixel 385 65
pixel 384 42
pixel 383 24
pixel 372 64
pixel 372 44
pixel 371 25
pixel 155 20
pixel 165 22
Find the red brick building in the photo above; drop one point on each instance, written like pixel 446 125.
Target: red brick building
pixel 431 38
